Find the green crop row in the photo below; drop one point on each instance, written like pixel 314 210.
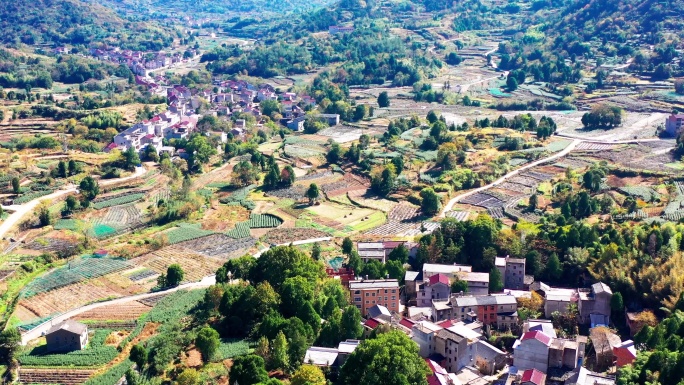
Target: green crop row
pixel 67 224
pixel 240 196
pixel 260 221
pixel 121 200
pixel 111 376
pixel 241 230
pixel 185 233
pixel 31 196
pixel 230 348
pixel 76 271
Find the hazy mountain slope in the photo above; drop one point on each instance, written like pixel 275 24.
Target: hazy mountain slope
pixel 74 22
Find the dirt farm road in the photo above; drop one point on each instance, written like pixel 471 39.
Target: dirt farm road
pixel 204 283
pixel 21 210
pixel 566 151
pixel 44 327
pixel 511 174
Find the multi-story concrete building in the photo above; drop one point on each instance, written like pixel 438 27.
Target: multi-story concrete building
pixel 435 288
pixel 673 124
pixel 368 293
pixel 498 311
pixel 451 271
pixel 512 272
pixel 371 251
pixel 536 349
pixel 457 346
pixel 594 305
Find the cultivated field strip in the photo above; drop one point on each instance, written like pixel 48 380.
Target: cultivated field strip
pixel 76 271
pixel 460 216
pixel 219 245
pixel 54 376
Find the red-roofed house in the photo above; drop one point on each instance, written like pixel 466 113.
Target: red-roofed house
pixel 625 353
pixel 407 323
pixel 538 350
pixel 436 288
pixel 371 324
pixel 537 335
pixel 533 377
pixel 439 375
pixel 345 274
pixel 446 324
pixel 531 351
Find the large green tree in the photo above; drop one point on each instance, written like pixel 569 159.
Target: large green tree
pixel 383 99
pixel 495 280
pixel 282 262
pixel 431 203
pixel 174 275
pixel 248 370
pixel 313 193
pixel 207 342
pixel 391 358
pixel 89 188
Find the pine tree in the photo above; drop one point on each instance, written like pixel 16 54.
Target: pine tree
pixel 280 358
pixel 553 268
pixel 495 281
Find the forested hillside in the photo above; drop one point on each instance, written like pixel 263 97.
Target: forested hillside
pixel 620 20
pixel 75 22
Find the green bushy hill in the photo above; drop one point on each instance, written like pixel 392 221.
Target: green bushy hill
pixel 56 22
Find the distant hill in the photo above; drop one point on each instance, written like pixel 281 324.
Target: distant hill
pixel 202 8
pixel 619 20
pixel 58 22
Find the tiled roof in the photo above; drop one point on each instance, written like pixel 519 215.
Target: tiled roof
pixel 537 335
pixel 372 323
pixel 70 326
pixel 534 376
pixel 601 287
pixel 407 323
pixel 439 278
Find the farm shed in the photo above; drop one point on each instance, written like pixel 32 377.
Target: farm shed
pixel 67 336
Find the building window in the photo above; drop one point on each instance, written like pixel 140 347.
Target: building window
pixel 357 292
pixel 367 294
pixel 394 291
pixel 394 298
pixel 373 294
pixel 357 299
pixel 367 302
pixel 385 291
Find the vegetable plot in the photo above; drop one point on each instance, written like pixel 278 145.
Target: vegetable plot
pixel 120 200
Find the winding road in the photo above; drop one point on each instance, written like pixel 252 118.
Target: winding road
pixel 204 283
pixel 511 174
pixel 210 280
pixel 19 211
pixel 576 140
pixel 44 327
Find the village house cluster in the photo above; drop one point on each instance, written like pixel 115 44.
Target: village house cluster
pixel 451 329
pixel 228 98
pixel 139 62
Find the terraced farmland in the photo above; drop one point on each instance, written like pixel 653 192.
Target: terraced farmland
pixel 76 271
pixel 220 245
pixel 129 311
pixel 54 376
pixel 196 266
pixel 117 200
pixel 185 232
